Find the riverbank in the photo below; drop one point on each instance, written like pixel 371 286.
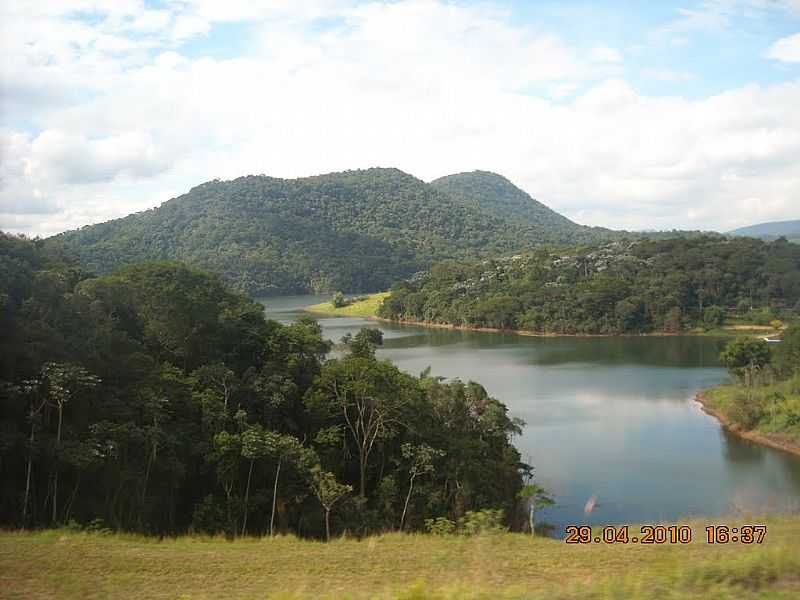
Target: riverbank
pixel 73 565
pixel 368 305
pixel 730 406
pixel 733 331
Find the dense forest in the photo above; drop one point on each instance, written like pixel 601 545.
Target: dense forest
pixel 499 197
pixel 157 400
pixel 627 286
pixel 354 231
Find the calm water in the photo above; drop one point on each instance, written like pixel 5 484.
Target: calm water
pixel 607 417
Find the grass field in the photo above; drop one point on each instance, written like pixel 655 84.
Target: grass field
pixel 365 308
pixel 68 565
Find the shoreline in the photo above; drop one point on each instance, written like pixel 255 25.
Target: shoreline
pixel 762 439
pixel 528 333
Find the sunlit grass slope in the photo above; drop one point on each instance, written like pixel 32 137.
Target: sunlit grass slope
pixel 772 410
pixel 67 565
pixel 368 307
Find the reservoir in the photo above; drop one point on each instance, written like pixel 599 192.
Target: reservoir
pixel 606 417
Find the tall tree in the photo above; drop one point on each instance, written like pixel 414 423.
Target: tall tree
pixel 328 491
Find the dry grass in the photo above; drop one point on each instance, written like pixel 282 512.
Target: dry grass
pixel 61 564
pixel 364 308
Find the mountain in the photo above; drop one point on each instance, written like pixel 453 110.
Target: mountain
pixel 772 230
pixel 498 196
pixel 355 231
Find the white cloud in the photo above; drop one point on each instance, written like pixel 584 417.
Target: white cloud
pixel 786 49
pixel 430 87
pixel 668 75
pixel 604 54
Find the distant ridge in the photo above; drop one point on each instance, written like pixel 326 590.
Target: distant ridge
pixel 771 230
pixel 354 231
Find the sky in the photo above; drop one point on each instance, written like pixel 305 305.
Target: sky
pixel 624 114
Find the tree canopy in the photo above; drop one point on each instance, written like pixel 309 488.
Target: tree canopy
pixel 625 286
pixel 158 400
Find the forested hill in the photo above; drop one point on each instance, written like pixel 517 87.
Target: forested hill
pixel 770 231
pixel 498 196
pixel 355 231
pixel 629 286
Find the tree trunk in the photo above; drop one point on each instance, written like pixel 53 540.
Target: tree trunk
pixel 362 469
pixel 327 524
pixel 58 458
pixel 28 475
pixel 274 498
pixel 150 460
pixel 71 501
pixel 247 496
pixel 405 507
pixel 531 516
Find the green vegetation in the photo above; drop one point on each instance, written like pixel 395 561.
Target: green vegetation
pixel 499 197
pixel 363 306
pixel 766 398
pixel 398 567
pixel 354 231
pixel 667 285
pixel 156 400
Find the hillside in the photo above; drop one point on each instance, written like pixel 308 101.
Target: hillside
pixel 773 230
pixel 355 231
pixel 623 287
pixel 498 196
pixel 397 566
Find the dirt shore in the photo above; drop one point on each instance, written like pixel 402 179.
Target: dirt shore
pixel 773 440
pixel 524 331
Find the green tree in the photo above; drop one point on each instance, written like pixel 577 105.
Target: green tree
pixel 368 398
pixel 787 353
pixel 421 458
pixel 328 491
pixel 364 343
pixel 536 497
pixel 713 316
pixel 743 357
pixel 61 382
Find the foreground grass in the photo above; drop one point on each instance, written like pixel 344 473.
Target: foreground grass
pixel 62 564
pixel 364 308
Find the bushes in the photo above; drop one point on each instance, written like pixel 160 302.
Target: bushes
pixel 746 411
pixel 440 526
pixel 474 522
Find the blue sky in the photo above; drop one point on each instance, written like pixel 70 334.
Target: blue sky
pixel 621 114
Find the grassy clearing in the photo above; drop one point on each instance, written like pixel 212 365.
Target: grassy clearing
pixel 63 564
pixel 364 308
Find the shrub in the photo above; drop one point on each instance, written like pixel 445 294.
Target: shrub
pixel 479 522
pixel 713 316
pixel 440 526
pixel 746 411
pixel 338 300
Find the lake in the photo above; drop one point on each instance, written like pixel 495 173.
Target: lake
pixel 613 418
